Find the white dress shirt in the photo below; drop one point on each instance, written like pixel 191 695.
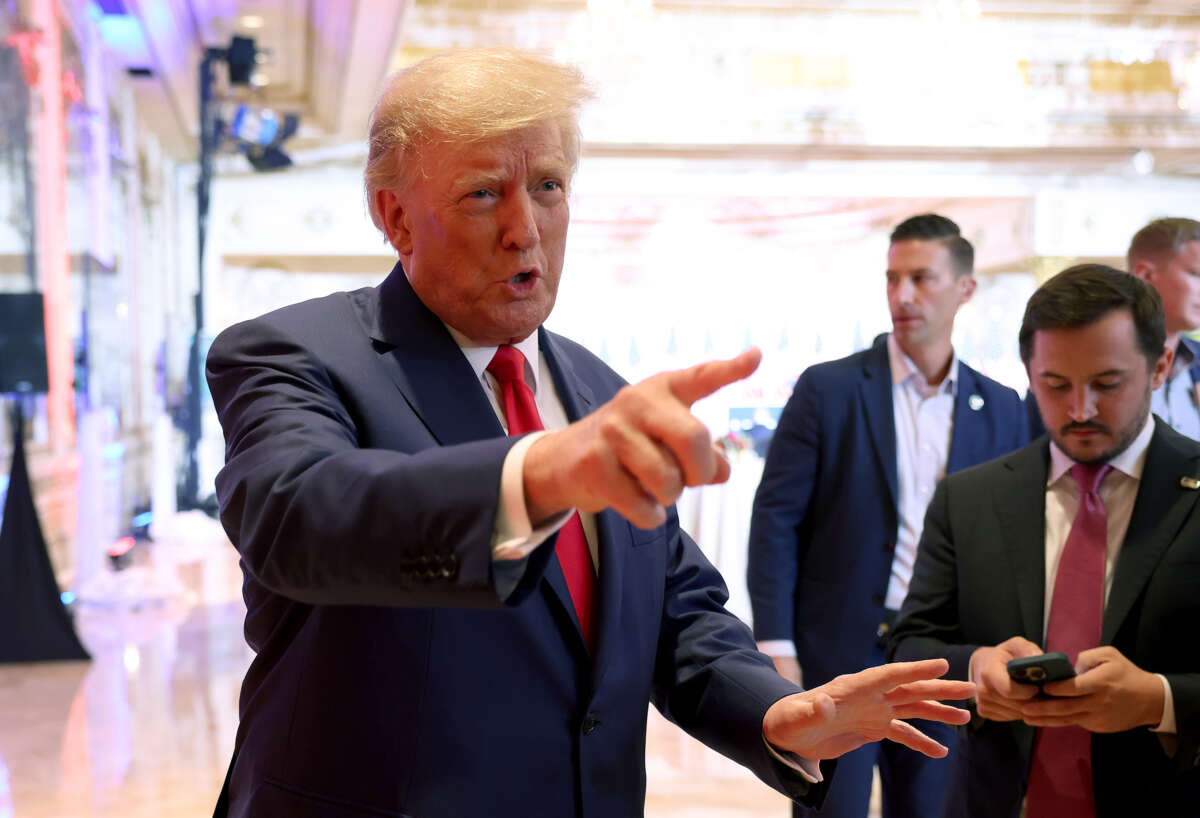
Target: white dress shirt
pixel 924 418
pixel 1176 401
pixel 1118 490
pixel 514 536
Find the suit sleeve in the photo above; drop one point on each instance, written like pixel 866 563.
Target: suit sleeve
pixel 927 626
pixel 709 678
pixel 780 506
pixel 320 520
pixel 1185 690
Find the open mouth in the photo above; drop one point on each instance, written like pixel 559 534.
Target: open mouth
pixel 521 278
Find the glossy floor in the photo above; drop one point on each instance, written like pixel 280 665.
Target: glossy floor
pixel 146 727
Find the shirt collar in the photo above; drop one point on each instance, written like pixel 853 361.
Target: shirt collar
pixel 1129 462
pixel 1185 357
pixel 903 368
pixel 480 356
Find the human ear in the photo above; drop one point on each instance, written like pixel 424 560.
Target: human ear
pixel 967 285
pixel 394 217
pixel 1158 375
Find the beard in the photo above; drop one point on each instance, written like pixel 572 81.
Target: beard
pixel 1121 439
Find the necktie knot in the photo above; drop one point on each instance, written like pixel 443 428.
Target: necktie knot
pixel 1088 476
pixel 508 364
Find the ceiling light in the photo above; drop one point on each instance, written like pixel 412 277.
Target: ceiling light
pixel 252 21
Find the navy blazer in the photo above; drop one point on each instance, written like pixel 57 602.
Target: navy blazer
pixel 361 484
pixel 825 518
pixel 980 579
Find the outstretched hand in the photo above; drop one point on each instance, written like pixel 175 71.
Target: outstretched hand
pixel 636 453
pixel 857 708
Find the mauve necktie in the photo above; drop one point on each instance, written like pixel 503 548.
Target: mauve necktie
pixel 520 410
pixel 1060 781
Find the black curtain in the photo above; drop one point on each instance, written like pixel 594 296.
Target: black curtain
pixel 34 624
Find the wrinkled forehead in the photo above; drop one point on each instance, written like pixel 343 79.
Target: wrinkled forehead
pixel 541 146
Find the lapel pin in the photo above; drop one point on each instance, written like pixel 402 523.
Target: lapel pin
pixel 975 402
pixel 1192 483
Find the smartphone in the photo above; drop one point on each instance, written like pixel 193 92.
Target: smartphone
pixel 1040 670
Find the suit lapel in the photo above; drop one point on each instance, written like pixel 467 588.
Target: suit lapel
pixel 426 364
pixel 614 550
pixel 965 428
pixel 578 399
pixel 875 390
pixel 1023 527
pixel 1159 511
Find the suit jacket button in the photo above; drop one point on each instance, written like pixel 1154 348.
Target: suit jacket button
pixel 877 599
pixel 889 547
pixel 591 723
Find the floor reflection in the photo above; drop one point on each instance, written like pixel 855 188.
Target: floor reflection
pixel 146 727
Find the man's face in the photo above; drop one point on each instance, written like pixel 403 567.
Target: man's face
pixel 482 232
pixel 1093 386
pixel 1177 280
pixel 923 292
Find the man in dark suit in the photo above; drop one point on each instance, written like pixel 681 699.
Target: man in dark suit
pixel 438 631
pixel 858 450
pixel 1087 543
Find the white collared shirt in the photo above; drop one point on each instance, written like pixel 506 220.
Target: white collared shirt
pixel 924 418
pixel 1177 400
pixel 1118 491
pixel 514 536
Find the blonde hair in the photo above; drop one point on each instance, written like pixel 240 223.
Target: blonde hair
pixel 467 96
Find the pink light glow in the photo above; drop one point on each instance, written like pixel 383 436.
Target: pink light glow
pixel 50 142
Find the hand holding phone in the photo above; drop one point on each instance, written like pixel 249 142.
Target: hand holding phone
pixel 1040 670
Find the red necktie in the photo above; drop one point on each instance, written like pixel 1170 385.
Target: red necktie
pixel 1060 781
pixel 520 409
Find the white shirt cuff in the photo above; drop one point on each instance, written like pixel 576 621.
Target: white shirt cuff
pixel 514 537
pixel 777 648
pixel 809 769
pixel 1167 724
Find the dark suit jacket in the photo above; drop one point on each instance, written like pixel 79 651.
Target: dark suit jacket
pixel 360 487
pixel 825 518
pixel 980 579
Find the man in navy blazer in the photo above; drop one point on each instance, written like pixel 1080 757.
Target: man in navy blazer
pixel 855 457
pixel 420 650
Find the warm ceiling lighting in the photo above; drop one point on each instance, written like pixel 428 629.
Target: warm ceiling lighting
pixel 252 21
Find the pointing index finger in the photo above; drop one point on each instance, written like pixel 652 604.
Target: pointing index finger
pixel 696 382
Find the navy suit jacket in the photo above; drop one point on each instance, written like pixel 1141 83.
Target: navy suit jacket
pixel 825 518
pixel 361 484
pixel 980 579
